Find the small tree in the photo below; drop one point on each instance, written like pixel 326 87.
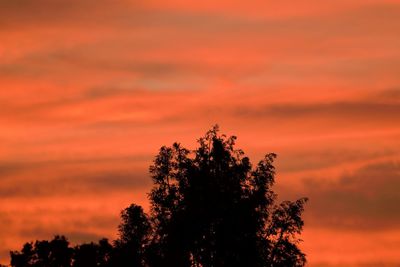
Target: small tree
pixel 133 231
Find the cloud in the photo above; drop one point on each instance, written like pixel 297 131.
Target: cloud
pixel 72 177
pixel 76 184
pixel 364 200
pixel 86 79
pixel 28 13
pixel 375 112
pixel 390 94
pixel 317 159
pixel 7 168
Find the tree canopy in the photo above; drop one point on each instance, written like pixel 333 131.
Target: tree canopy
pixel 209 207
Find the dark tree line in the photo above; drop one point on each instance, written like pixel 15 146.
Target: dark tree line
pixel 209 208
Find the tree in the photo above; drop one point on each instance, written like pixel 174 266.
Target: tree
pixel 92 254
pixel 58 253
pixel 209 207
pixel 24 258
pixel 134 231
pixel 55 253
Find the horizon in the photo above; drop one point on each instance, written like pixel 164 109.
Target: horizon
pixel 91 91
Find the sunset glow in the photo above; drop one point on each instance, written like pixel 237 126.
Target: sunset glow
pixel 90 90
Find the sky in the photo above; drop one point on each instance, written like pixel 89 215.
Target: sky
pixel 90 90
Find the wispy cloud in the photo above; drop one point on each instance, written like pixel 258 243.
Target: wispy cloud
pixel 364 200
pixel 90 90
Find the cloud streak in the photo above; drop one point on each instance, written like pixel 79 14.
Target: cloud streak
pixel 361 201
pixel 90 90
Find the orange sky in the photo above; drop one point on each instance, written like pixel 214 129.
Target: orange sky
pixel 89 91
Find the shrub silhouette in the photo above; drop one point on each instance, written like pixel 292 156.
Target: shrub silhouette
pixel 209 208
pixel 93 255
pixel 54 253
pixel 134 232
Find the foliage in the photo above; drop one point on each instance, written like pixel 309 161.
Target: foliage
pixel 209 208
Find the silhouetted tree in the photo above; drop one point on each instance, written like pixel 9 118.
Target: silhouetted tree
pixel 25 258
pixel 55 253
pixel 58 253
pixel 105 250
pixel 134 230
pixel 86 255
pixel 209 208
pixel 93 255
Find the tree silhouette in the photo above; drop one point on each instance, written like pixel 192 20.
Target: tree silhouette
pixel 93 255
pixel 208 208
pixel 23 258
pixel 211 208
pixel 86 255
pixel 134 231
pixel 55 253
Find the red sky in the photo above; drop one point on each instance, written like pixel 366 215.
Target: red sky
pixel 90 90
